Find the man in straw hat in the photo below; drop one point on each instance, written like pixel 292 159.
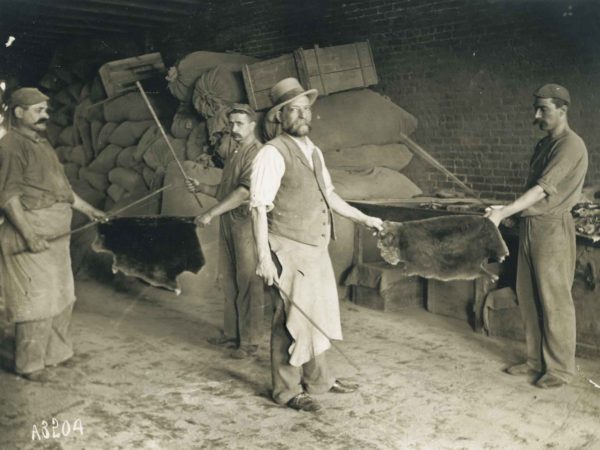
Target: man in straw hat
pixel 293 202
pixel 35 196
pixel 244 290
pixel 546 262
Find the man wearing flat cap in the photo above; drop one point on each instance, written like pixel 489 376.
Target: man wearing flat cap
pixel 546 261
pixel 243 289
pixel 293 201
pixel 37 200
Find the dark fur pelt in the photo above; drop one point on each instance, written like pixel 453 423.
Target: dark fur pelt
pixel 155 249
pixel 444 248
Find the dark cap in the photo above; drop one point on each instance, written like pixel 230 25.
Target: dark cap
pixel 26 97
pixel 242 108
pixel 553 91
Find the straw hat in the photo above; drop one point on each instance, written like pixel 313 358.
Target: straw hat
pixel 286 91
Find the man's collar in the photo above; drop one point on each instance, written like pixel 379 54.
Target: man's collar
pixel 34 138
pixel 304 142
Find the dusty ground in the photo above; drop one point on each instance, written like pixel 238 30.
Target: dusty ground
pixel 146 378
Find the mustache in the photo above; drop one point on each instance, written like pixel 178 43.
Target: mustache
pixel 236 135
pixel 41 121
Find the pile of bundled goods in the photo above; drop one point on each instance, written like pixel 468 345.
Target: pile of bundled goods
pixel 587 220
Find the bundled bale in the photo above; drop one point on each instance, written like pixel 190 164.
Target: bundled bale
pixel 126 159
pixel 94 112
pixel 218 88
pixel 377 183
pixel 52 133
pixel 85 92
pixel 98 181
pixel 64 74
pixel 145 142
pixel 83 128
pixel 97 92
pixel 74 90
pixel 79 156
pixel 196 142
pixel 63 116
pixel 148 176
pixel 159 154
pixel 71 171
pixel 104 135
pixel 128 179
pixel 64 97
pixel 392 156
pixel 51 82
pixel 129 133
pixel 132 107
pixel 68 136
pixel 106 160
pixel 95 128
pixel 89 194
pixel 115 192
pixel 353 118
pixel 184 121
pixel 63 152
pixel 184 74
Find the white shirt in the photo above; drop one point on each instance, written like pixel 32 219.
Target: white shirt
pixel 268 169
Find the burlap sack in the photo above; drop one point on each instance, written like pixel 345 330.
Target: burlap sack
pixel 129 133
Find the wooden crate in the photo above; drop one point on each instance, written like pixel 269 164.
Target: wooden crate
pixel 120 76
pixel 328 69
pixel 339 68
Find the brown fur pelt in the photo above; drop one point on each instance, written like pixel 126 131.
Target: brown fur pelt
pixel 444 248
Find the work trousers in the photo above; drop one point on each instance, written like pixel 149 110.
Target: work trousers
pixel 244 290
pixel 288 380
pixel 546 268
pixel 40 343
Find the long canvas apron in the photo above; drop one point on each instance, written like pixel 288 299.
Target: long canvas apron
pixel 37 286
pixel 307 277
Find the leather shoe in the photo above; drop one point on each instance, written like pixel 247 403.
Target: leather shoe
pixel 244 351
pixel 303 402
pixel 549 381
pixel 39 376
pixel 222 340
pixel 521 369
pixel 343 388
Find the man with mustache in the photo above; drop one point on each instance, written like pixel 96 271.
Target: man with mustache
pixel 293 202
pixel 546 261
pixel 37 200
pixel 243 289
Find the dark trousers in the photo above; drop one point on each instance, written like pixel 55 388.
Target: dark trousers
pixel 40 343
pixel 546 268
pixel 289 381
pixel 244 290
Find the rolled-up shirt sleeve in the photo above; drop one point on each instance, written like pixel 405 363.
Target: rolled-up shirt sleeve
pixel 560 165
pixel 329 188
pixel 267 170
pixel 12 171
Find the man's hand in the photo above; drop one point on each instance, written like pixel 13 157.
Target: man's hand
pixel 495 214
pixel 37 243
pixel 192 185
pixel 97 216
pixel 267 271
pixel 373 222
pixel 203 220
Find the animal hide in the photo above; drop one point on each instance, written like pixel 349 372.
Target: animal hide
pixel 155 249
pixel 444 248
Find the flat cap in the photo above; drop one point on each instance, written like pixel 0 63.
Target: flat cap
pixel 26 97
pixel 552 90
pixel 242 108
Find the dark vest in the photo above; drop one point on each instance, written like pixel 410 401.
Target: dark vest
pixel 301 210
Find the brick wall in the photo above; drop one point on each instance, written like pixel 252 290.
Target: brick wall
pixel 465 68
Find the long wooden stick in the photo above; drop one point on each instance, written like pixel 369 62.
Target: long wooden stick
pixel 287 298
pixel 95 222
pixel 437 165
pixel 165 137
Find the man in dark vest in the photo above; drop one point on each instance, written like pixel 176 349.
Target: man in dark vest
pixel 546 263
pixel 293 201
pixel 243 289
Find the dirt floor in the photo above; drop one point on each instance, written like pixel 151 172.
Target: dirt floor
pixel 146 378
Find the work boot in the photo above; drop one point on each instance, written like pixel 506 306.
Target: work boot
pixel 343 387
pixel 303 402
pixel 39 376
pixel 521 369
pixel 222 340
pixel 548 381
pixel 244 351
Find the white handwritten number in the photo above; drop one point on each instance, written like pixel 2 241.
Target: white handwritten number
pixel 45 431
pixel 55 433
pixel 58 429
pixel 68 431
